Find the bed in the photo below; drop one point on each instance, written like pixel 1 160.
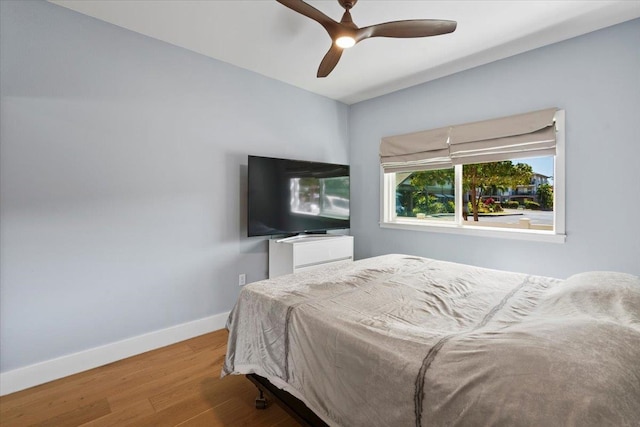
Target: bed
pixel 401 340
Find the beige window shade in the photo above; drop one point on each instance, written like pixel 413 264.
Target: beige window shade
pixel 523 135
pixel 416 151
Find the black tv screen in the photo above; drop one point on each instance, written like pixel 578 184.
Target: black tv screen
pixel 295 196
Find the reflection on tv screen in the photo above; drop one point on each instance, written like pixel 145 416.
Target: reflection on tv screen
pixel 323 197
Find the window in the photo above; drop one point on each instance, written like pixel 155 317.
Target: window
pixel 493 188
pixel 428 194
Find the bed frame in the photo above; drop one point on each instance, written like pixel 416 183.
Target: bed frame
pixel 294 407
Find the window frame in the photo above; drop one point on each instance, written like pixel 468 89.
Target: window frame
pixel 388 218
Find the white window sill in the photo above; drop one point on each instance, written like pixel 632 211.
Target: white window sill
pixel 480 231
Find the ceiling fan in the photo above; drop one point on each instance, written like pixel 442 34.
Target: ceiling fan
pixel 345 33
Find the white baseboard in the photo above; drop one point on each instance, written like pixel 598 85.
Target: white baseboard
pixel 49 370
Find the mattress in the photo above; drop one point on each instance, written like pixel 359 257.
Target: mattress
pixel 402 340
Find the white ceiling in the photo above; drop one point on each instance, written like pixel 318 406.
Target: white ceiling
pixel 270 39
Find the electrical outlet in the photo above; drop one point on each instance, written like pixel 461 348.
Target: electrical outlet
pixel 242 279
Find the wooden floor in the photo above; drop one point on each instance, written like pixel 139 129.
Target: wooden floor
pixel 178 385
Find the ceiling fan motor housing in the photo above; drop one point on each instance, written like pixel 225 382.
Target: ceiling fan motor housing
pixel 347 4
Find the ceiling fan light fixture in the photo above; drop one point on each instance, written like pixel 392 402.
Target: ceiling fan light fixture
pixel 345 42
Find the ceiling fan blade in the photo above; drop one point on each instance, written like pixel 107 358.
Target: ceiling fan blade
pixel 309 11
pixel 408 29
pixel 329 61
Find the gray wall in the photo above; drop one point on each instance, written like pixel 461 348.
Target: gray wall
pixel 123 179
pixel 596 79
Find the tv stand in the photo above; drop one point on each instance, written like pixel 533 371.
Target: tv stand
pixel 307 251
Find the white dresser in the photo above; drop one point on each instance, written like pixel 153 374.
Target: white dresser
pixel 301 253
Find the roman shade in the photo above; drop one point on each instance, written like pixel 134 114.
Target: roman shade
pixel 416 151
pixel 523 135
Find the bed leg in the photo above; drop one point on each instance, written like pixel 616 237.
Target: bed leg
pixel 261 401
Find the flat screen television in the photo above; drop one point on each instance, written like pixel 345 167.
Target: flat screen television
pixel 294 196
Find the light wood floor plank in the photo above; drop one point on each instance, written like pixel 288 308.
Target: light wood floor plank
pixel 79 415
pixel 178 385
pixel 124 417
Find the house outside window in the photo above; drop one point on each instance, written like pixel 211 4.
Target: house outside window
pixel 512 191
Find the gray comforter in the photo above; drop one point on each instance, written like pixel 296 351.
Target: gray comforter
pixel 406 341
